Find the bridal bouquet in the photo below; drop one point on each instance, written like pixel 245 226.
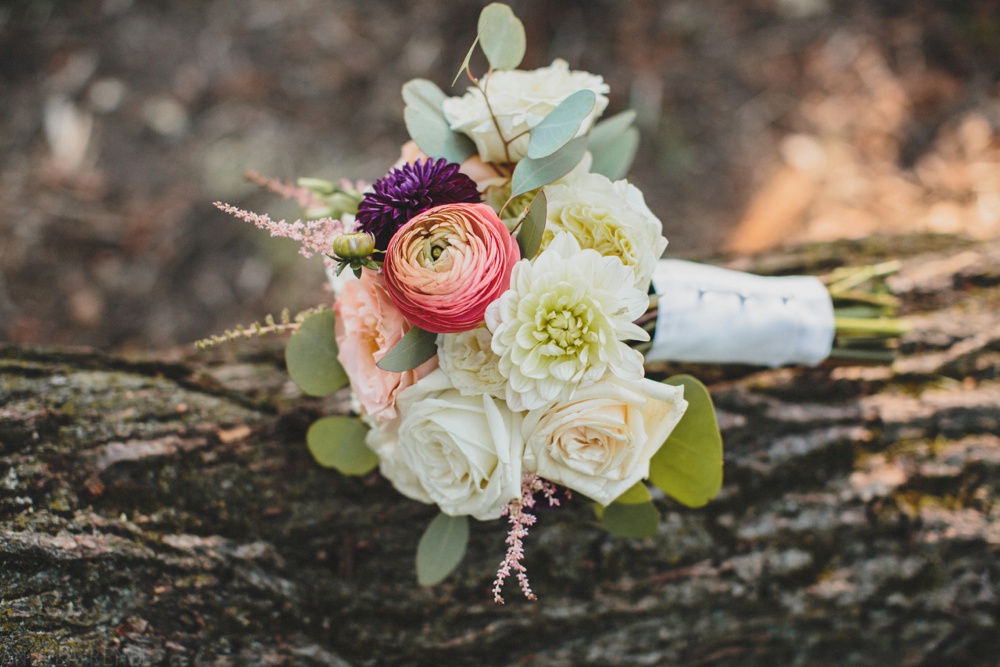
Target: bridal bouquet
pixel 493 303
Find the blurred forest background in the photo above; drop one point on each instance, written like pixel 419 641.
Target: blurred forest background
pixel 764 122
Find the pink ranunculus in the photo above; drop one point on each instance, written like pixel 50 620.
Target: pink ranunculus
pixel 368 325
pixel 444 266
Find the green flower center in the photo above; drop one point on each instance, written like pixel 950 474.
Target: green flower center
pixel 433 253
pixel 568 328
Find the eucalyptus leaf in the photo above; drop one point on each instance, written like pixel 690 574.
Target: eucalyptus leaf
pixel 435 137
pixel 311 356
pixel 561 124
pixel 501 36
pixel 339 442
pixel 614 159
pixel 424 95
pixel 530 174
pixel 688 466
pixel 636 494
pixel 468 57
pixel 441 548
pixel 414 348
pixel 529 235
pixel 631 520
pixel 608 130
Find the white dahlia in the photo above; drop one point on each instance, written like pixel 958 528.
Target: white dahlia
pixel 562 323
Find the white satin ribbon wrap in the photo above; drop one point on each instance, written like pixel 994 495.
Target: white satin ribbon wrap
pixel 713 315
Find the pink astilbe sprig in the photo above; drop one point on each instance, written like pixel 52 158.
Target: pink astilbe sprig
pixel 520 520
pixel 314 236
pixel 304 197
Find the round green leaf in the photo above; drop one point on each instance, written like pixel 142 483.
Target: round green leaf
pixel 636 494
pixel 501 36
pixel 311 356
pixel 614 159
pixel 441 548
pixel 623 520
pixel 561 124
pixel 434 136
pixel 339 442
pixel 688 466
pixel 425 95
pixel 610 129
pixel 530 174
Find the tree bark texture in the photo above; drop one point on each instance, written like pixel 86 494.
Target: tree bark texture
pixel 167 512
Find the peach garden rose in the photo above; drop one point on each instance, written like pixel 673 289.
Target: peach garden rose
pixel 368 325
pixel 444 266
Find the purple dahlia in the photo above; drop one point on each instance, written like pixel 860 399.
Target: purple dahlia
pixel 408 190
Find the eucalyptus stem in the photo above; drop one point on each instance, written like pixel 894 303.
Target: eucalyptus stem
pixel 493 117
pixel 844 279
pixel 881 326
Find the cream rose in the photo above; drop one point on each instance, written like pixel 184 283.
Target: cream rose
pixel 600 442
pixel 368 325
pixel 383 439
pixel 610 217
pixel 464 450
pixel 470 363
pixel 519 100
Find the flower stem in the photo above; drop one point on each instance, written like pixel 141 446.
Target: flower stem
pixel 496 123
pixel 882 326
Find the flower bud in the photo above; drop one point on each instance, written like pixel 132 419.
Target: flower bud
pixel 354 246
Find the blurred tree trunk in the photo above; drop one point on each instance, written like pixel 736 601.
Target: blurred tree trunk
pixel 168 512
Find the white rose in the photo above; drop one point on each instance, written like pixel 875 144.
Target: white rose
pixel 470 363
pixel 519 100
pixel 600 442
pixel 610 217
pixel 383 439
pixel 464 450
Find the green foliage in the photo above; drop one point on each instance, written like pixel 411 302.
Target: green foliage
pixel 441 548
pixel 423 95
pixel 630 519
pixel 311 356
pixel 632 514
pixel 636 494
pixel 615 161
pixel 414 348
pixel 613 145
pixel 561 124
pixel 335 199
pixel 608 130
pixel 688 467
pixel 339 442
pixel 465 62
pixel 529 236
pixel 531 174
pixel 427 125
pixel 501 36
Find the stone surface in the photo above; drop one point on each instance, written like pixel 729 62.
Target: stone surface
pixel 168 513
